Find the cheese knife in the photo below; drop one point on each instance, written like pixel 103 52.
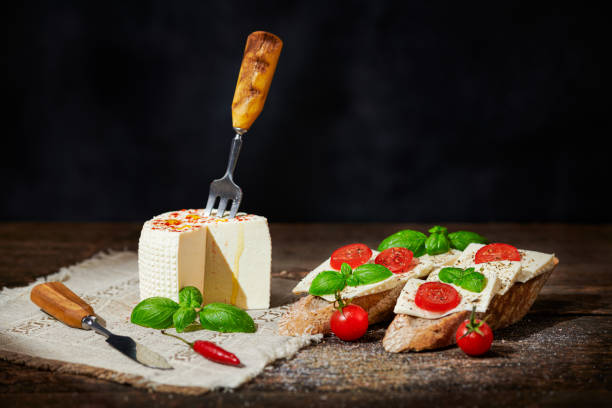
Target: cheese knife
pixel 55 299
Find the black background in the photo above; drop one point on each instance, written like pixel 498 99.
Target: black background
pixel 379 111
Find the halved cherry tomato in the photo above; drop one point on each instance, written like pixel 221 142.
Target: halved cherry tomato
pixel 397 260
pixel 497 252
pixel 437 297
pixel 349 324
pixel 474 336
pixel 352 254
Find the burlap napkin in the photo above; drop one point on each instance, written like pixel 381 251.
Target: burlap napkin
pixel 109 282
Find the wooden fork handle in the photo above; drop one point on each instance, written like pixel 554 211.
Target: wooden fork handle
pixel 256 72
pixel 60 302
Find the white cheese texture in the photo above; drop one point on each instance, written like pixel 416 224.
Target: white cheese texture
pixel 532 263
pixel 423 267
pixel 501 275
pixel 229 260
pixel 405 303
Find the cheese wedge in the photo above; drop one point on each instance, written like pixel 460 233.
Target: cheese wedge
pixel 405 303
pixel 229 260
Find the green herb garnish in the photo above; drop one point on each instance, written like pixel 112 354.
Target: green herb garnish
pixel 226 319
pixel 461 239
pixel 467 279
pixel 438 242
pixel 163 313
pixel 332 282
pixel 409 239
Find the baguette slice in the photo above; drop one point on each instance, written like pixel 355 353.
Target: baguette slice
pixel 311 314
pixel 416 333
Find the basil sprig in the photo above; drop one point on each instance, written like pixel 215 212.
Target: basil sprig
pixel 163 313
pixel 409 239
pixel 467 279
pixel 331 282
pixel 154 312
pixel 226 318
pixel 190 296
pixel 438 242
pixel 461 239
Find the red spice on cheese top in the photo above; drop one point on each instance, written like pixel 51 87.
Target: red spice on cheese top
pixel 188 220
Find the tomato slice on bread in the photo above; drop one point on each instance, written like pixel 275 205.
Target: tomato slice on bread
pixel 497 252
pixel 397 259
pixel 352 254
pixel 437 297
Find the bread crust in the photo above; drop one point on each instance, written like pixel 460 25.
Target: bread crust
pixel 311 314
pixel 417 333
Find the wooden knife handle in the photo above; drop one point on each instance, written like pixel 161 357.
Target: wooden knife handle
pixel 256 72
pixel 60 302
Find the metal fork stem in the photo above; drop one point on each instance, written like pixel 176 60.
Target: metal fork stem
pixel 233 157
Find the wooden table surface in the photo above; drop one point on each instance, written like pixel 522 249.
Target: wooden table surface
pixel 560 354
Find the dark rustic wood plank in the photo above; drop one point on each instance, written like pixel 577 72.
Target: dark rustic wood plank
pixel 559 355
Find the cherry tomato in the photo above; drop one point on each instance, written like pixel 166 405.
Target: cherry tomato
pixel 352 254
pixel 497 252
pixel 474 336
pixel 397 260
pixel 437 297
pixel 350 324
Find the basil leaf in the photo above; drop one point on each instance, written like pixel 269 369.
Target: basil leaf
pixel 352 281
pixel 154 312
pixel 474 282
pixel 327 283
pixel 461 239
pixel 371 273
pixel 190 296
pixel 183 317
pixel 450 275
pixel 409 239
pixel 438 229
pixel 346 270
pixel 226 319
pixel 437 243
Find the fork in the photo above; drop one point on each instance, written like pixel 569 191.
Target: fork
pixel 256 72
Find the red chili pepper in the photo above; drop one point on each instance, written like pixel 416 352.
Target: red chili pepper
pixel 210 351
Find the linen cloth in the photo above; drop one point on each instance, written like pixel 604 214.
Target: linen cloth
pixel 109 283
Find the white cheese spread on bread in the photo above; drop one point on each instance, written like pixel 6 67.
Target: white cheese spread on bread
pixel 424 265
pixel 532 263
pixel 405 303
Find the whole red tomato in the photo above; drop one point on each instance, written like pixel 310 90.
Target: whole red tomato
pixel 474 336
pixel 350 323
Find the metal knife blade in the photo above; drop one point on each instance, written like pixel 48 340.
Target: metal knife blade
pixel 127 346
pixel 138 352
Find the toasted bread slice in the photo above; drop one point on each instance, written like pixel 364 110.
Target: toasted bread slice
pixel 311 314
pixel 417 333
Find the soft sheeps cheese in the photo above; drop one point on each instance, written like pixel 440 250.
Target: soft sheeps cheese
pixel 229 260
pixel 439 260
pixel 405 303
pixel 532 264
pixel 423 267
